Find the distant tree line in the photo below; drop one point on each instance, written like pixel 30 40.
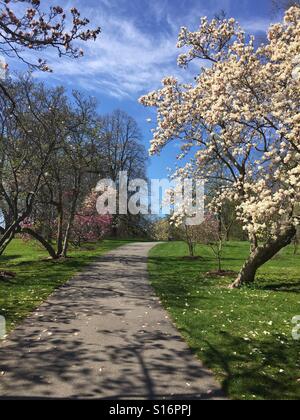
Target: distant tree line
pixel 53 151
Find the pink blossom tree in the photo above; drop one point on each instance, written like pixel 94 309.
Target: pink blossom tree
pixel 89 226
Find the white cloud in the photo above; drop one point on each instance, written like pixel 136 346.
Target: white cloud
pixel 128 60
pixel 124 61
pixel 256 25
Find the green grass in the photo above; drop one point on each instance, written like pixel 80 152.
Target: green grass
pixel 37 276
pixel 244 336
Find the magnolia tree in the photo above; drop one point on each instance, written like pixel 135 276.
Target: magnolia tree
pixel 242 114
pixel 88 225
pixel 26 25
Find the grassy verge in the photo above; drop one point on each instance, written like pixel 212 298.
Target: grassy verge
pixel 244 336
pixel 37 277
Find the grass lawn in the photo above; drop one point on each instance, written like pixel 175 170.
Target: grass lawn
pixel 244 336
pixel 37 277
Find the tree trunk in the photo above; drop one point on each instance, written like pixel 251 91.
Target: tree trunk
pixel 261 255
pixel 296 245
pixel 43 241
pixel 220 253
pixel 60 234
pixel 70 226
pixel 8 236
pixel 227 235
pixel 220 226
pixel 60 221
pixel 189 241
pixel 191 249
pixel 253 243
pixel 67 239
pixel 220 264
pixel 10 232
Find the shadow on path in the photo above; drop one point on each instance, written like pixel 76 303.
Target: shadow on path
pixel 103 335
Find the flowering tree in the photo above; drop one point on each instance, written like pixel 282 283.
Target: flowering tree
pixel 241 114
pixel 161 230
pixel 88 225
pixel 30 27
pixel 26 26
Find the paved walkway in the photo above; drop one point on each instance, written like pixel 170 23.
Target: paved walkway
pixel 103 335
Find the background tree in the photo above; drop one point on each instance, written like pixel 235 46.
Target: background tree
pixel 54 150
pixel 120 141
pixel 225 210
pixel 25 25
pixel 209 234
pixel 90 226
pixel 190 238
pixel 164 230
pixel 28 141
pixel 70 176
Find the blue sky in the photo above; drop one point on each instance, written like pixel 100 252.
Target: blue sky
pixel 137 49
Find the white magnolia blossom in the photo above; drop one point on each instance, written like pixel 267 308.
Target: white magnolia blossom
pixel 242 113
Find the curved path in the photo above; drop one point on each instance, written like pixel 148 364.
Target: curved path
pixel 103 335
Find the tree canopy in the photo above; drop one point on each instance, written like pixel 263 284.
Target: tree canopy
pixel 240 114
